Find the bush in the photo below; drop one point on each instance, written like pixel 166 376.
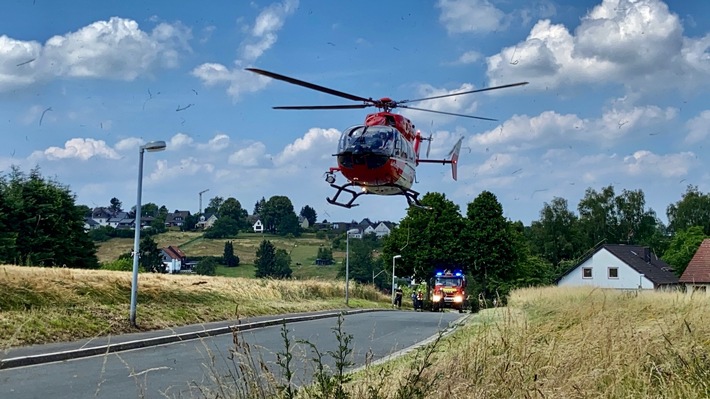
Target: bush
pixel 121 265
pixel 206 267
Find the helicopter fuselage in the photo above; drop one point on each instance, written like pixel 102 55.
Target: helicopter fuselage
pixel 380 155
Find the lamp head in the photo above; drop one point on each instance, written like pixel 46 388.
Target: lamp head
pixel 396 256
pixel 153 146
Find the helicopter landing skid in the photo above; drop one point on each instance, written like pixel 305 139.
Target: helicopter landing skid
pixel 410 194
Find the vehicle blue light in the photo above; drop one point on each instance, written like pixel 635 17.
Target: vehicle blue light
pixel 438 274
pixel 458 274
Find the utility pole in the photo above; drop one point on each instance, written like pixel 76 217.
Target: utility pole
pixel 202 192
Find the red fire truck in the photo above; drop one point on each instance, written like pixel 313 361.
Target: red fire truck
pixel 449 291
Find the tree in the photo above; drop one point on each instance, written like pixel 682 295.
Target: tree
pixel 230 259
pixel 597 217
pixel 84 210
pixel 489 241
pixel 115 206
pixel 427 238
pixel 692 210
pixel 556 236
pixel 222 228
pixel 278 216
pixel 150 257
pixel 325 255
pixel 682 248
pixel 272 262
pixel 42 219
pixel 282 266
pixel 361 261
pixel 231 208
pixel 206 267
pixel 150 209
pixel 309 214
pixel 214 205
pixel 258 206
pixel 190 223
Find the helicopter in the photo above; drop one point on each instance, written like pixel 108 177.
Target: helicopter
pixel 380 156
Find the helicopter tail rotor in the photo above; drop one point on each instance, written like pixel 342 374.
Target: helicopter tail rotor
pixel 454 155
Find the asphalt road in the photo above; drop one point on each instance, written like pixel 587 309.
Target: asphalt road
pixel 184 369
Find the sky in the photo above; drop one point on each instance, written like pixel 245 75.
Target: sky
pixel 619 95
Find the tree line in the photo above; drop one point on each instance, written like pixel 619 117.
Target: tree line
pixel 41 225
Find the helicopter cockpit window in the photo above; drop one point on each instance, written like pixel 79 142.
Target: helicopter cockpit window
pixel 371 139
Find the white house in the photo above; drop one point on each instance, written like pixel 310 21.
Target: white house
pixel 620 267
pixel 206 221
pixel 174 259
pixel 382 230
pixel 258 226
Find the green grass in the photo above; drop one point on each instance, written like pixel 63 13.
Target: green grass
pixel 303 251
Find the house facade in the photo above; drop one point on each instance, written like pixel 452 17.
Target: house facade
pixel 258 227
pixel 176 219
pixel 206 221
pixel 626 267
pixel 174 260
pixel 696 276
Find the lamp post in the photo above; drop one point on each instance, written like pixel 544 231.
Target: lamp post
pixel 347 263
pixel 152 146
pixel 393 259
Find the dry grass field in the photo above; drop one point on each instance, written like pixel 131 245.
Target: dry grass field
pixel 566 343
pixel 40 305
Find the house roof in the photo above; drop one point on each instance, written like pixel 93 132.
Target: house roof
pixel 698 270
pixel 638 258
pixel 174 252
pixel 91 222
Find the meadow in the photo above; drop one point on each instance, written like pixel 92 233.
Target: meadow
pixel 41 305
pixel 563 343
pixel 303 251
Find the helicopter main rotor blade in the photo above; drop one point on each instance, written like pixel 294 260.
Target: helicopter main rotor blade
pixel 309 85
pixel 349 106
pixel 465 92
pixel 447 113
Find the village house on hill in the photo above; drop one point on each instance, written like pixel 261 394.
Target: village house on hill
pixel 620 266
pixel 696 276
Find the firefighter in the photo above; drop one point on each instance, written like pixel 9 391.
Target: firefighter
pixel 398 297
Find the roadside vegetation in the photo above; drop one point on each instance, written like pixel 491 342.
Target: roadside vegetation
pixel 547 343
pixel 41 305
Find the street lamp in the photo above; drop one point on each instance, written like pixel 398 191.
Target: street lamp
pixel 152 146
pixel 393 259
pixel 347 262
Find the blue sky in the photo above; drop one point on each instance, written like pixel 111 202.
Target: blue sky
pixel 618 95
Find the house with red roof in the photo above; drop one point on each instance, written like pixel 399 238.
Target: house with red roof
pixel 696 276
pixel 174 259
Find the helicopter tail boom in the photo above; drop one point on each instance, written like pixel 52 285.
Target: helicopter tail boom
pixel 453 159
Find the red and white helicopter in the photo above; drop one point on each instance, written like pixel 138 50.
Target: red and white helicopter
pixel 380 156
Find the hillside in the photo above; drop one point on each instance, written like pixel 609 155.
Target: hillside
pixel 40 305
pixel 303 251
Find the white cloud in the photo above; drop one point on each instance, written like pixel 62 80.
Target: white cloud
pixel 78 148
pixel 463 104
pixel 645 162
pixel 261 38
pixel 698 128
pixel 316 144
pixel 130 143
pixel 249 155
pixel 469 57
pixel 478 16
pixel 116 49
pixel 185 167
pixel 550 127
pixel 179 141
pixel 217 143
pixel 636 43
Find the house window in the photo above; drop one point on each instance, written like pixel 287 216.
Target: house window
pixel 613 272
pixel 587 272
